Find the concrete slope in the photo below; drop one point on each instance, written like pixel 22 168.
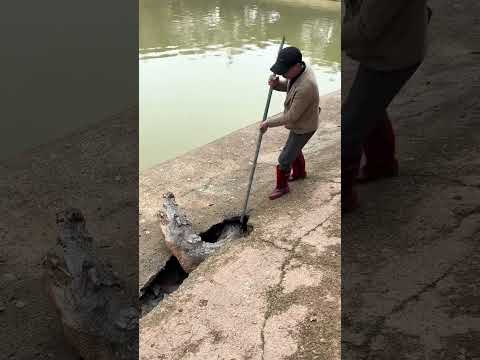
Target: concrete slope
pixel 272 295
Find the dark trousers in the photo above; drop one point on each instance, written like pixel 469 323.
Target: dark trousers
pixel 365 122
pixel 292 149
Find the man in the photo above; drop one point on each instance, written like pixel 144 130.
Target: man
pixel 300 115
pixel 388 39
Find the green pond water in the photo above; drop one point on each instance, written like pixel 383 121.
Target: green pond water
pixel 204 65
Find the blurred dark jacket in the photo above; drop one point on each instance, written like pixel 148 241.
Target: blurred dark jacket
pixel 385 34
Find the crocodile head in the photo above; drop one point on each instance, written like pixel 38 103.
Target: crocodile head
pixel 75 240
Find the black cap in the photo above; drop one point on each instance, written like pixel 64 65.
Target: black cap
pixel 286 59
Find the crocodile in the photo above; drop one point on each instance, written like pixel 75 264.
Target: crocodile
pixel 99 319
pixel 185 244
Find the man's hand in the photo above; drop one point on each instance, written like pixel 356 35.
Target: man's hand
pixel 264 127
pixel 273 81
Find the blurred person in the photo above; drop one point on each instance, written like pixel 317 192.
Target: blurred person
pixel 388 39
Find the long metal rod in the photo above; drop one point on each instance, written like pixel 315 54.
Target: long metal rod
pixel 259 142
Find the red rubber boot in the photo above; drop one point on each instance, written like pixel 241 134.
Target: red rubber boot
pixel 298 168
pixel 282 185
pixel 379 151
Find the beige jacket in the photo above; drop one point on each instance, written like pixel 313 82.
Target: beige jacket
pixel 385 34
pixel 301 106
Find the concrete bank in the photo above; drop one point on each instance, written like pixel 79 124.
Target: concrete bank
pixel 410 254
pixel 273 295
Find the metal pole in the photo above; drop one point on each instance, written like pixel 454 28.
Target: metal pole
pixel 259 142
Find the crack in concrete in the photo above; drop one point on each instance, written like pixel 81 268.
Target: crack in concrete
pixel 380 323
pixel 332 196
pixel 291 254
pixel 272 244
pixel 262 336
